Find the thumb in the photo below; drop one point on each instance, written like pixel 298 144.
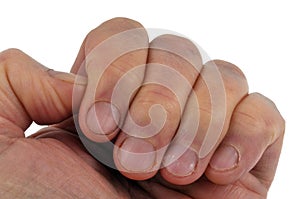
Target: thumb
pixel 31 92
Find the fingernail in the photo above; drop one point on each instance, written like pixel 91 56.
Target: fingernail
pixel 68 77
pixel 103 118
pixel 225 158
pixel 183 165
pixel 137 155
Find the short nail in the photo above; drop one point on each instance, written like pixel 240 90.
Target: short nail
pixel 137 155
pixel 225 158
pixel 103 118
pixel 68 77
pixel 183 165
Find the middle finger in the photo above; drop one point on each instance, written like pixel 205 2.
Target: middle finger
pixel 172 68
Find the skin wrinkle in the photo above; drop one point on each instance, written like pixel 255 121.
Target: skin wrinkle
pixel 10 191
pixel 174 59
pixel 245 114
pixel 262 178
pixel 54 144
pixel 42 86
pixel 62 109
pixel 18 104
pixel 46 187
pixel 55 97
pixel 263 125
pixel 9 143
pixel 9 130
pixel 28 182
pixel 170 104
pixel 118 66
pixel 240 183
pixel 94 177
pixel 4 65
pixel 10 84
pixel 37 177
pixel 264 182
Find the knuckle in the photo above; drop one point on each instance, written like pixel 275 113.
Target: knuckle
pixel 152 95
pixel 131 76
pixel 113 26
pixel 233 77
pixel 172 106
pixel 130 23
pixel 267 124
pixel 174 41
pixel 10 55
pixel 179 48
pixel 272 120
pixel 230 68
pixel 263 115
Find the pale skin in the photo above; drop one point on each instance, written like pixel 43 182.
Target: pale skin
pixel 54 164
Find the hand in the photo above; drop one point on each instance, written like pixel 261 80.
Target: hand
pixel 51 163
pixel 251 129
pixel 242 163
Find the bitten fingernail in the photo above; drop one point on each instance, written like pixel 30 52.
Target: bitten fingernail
pixel 225 158
pixel 184 165
pixel 137 155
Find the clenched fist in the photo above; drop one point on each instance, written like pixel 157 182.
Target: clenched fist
pixel 154 120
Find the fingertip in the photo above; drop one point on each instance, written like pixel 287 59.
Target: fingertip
pixel 182 166
pixel 135 158
pixel 230 67
pixel 225 158
pixel 225 166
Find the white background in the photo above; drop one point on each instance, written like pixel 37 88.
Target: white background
pixel 261 37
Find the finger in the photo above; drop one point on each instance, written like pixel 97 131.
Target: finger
pixel 173 66
pixel 66 125
pixel 219 88
pixel 253 143
pixel 157 190
pixel 31 92
pixel 207 189
pixel 116 50
pixel 78 66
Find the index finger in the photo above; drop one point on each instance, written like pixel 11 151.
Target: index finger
pixel 116 50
